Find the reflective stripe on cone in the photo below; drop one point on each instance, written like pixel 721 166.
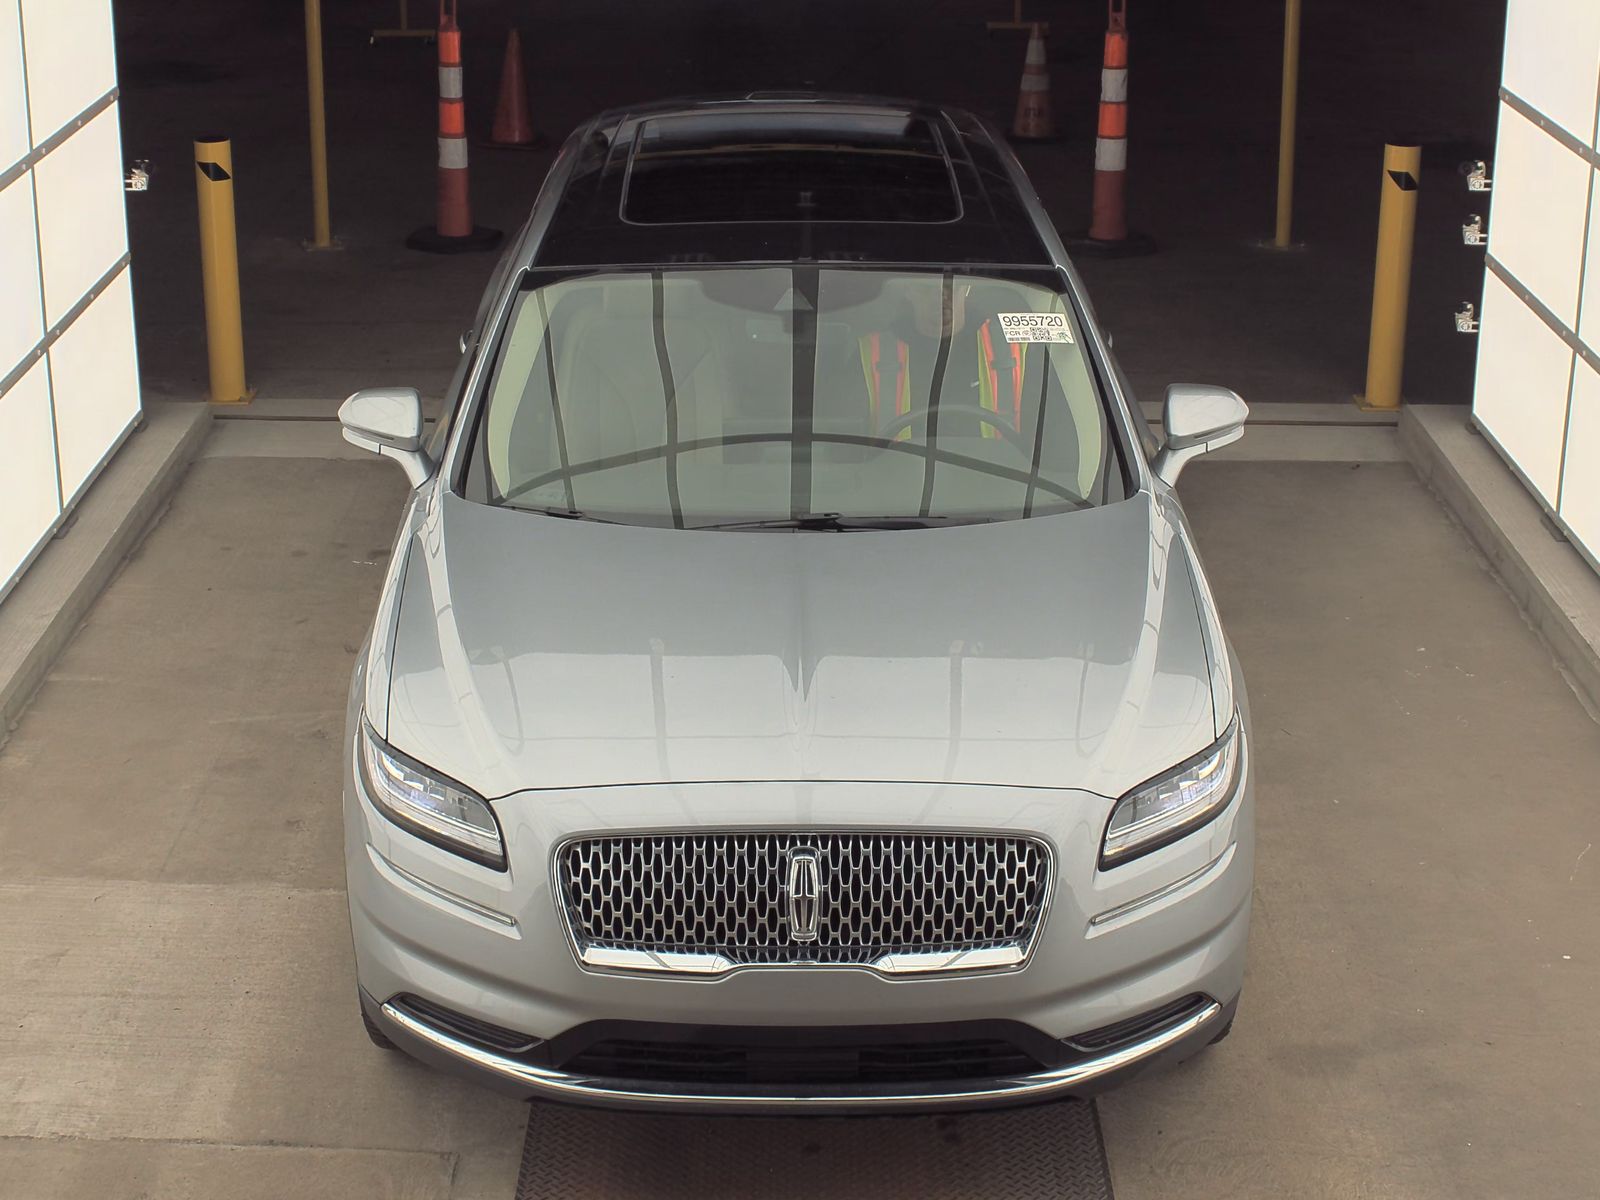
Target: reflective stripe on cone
pixel 452 154
pixel 1111 154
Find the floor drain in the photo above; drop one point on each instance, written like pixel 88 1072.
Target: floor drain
pixel 1051 1150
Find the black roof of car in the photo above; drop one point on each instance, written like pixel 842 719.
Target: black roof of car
pixel 789 177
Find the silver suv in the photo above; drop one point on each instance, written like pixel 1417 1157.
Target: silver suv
pixel 794 686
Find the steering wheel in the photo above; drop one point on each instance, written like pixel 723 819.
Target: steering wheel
pixel 1004 427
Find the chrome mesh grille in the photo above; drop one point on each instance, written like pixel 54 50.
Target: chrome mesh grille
pixel 880 894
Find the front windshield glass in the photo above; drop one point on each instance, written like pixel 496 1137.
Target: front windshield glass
pixel 784 396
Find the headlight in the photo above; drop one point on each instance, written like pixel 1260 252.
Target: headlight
pixel 1177 803
pixel 428 805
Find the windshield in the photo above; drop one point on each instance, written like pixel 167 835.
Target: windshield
pixel 781 397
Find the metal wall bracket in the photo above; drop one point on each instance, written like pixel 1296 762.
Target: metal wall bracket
pixel 1466 318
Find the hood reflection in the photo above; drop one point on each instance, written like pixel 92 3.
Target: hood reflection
pixel 1054 652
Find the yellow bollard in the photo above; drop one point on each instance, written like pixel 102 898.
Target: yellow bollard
pixel 219 270
pixel 321 231
pixel 1286 120
pixel 1391 277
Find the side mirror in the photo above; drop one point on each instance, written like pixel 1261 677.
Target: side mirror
pixel 1197 418
pixel 388 421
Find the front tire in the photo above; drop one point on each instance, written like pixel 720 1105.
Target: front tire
pixel 1222 1033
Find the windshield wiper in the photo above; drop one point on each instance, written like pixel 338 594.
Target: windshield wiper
pixel 834 523
pixel 566 514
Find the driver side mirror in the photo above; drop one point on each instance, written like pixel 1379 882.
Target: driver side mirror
pixel 1197 418
pixel 388 421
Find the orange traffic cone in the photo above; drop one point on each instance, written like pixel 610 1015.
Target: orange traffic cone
pixel 1110 220
pixel 1034 122
pixel 1108 225
pixel 453 231
pixel 512 128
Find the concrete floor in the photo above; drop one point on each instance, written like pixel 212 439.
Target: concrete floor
pixel 177 1016
pixel 178 1005
pixel 1417 1021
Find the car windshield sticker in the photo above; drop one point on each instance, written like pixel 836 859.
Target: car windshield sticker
pixel 1035 327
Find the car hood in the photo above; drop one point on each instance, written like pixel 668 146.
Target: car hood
pixel 1062 652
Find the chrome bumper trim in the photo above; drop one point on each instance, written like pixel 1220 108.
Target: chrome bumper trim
pixel 584 1089
pixel 921 962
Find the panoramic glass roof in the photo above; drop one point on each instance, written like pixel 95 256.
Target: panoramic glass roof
pixel 773 181
pixel 788 166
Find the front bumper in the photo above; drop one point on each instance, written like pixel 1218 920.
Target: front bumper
pixel 509 1073
pixel 493 947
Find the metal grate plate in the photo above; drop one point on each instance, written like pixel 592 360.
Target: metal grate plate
pixel 1051 1150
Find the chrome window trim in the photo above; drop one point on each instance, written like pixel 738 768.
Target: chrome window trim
pixel 604 960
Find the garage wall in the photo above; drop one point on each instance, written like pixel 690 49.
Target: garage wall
pixel 1537 395
pixel 69 380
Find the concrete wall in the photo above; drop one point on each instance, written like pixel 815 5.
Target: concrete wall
pixel 1537 395
pixel 69 381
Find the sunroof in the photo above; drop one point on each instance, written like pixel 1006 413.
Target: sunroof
pixel 789 166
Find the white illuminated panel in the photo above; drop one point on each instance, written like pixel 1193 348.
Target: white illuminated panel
pixel 13 97
pixel 63 234
pixel 1552 51
pixel 21 324
pixel 1580 489
pixel 28 483
pixel 1537 394
pixel 82 223
pixel 71 59
pixel 95 374
pixel 1536 218
pixel 1521 392
pixel 1589 315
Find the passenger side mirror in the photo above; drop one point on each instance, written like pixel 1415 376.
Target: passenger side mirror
pixel 1197 418
pixel 388 421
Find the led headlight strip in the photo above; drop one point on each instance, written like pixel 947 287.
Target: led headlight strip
pixel 430 806
pixel 1179 802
